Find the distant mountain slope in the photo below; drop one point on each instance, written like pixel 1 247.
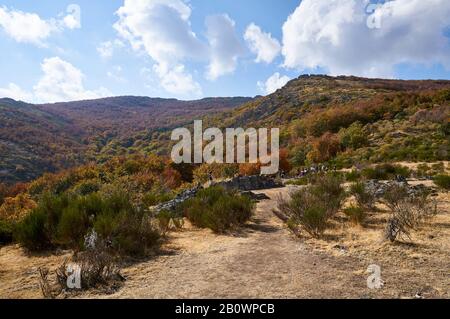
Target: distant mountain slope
pixel 131 113
pixel 319 115
pixel 46 138
pixel 308 93
pixel 33 141
pixel 338 120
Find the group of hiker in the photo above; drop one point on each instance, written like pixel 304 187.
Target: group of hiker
pixel 315 170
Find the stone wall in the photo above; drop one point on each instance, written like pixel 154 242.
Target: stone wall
pixel 243 184
pixel 249 183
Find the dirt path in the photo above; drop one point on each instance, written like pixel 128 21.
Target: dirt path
pixel 263 261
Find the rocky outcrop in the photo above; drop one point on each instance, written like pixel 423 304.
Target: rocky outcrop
pixel 172 204
pixel 380 188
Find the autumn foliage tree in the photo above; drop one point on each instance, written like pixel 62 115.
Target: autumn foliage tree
pixel 249 169
pixel 324 148
pixel 285 165
pixel 172 178
pixel 3 192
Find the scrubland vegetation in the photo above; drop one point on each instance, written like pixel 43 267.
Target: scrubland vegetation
pixel 355 127
pixel 114 200
pixel 218 209
pixel 312 206
pixel 58 210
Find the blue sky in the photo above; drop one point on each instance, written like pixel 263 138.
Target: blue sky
pixel 207 52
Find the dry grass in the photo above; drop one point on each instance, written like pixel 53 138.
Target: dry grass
pixel 419 264
pixel 265 260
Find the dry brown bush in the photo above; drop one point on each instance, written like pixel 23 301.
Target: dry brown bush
pixel 408 211
pixel 98 269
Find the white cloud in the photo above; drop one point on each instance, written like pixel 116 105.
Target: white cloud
pixel 262 44
pixel 106 49
pixel 162 29
pixel 71 22
pixel 116 74
pixel 177 81
pixel 15 92
pixel 224 45
pixel 334 35
pixel 27 27
pixel 273 83
pixel 63 82
pixel 60 82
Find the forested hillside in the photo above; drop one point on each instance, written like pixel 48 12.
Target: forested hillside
pixel 341 121
pixel 350 120
pixel 47 138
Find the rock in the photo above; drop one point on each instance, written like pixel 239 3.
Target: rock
pixel 257 197
pixel 380 188
pixel 398 134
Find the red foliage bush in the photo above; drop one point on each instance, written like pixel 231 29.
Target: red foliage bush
pixel 324 148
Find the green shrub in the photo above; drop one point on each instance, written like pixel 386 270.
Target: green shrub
pixel 128 229
pixel 356 214
pixel 312 206
pixel 353 176
pixel 33 233
pixel 302 181
pixel 354 136
pixel 442 181
pixel 155 198
pixel 116 202
pixel 307 210
pixel 133 234
pixel 328 189
pixel 51 206
pixel 64 184
pixel 62 221
pixel 386 171
pixel 87 187
pixel 73 226
pixel 218 209
pixel 363 197
pixel 6 232
pixel 38 230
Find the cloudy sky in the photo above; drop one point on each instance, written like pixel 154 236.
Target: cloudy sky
pixel 80 49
